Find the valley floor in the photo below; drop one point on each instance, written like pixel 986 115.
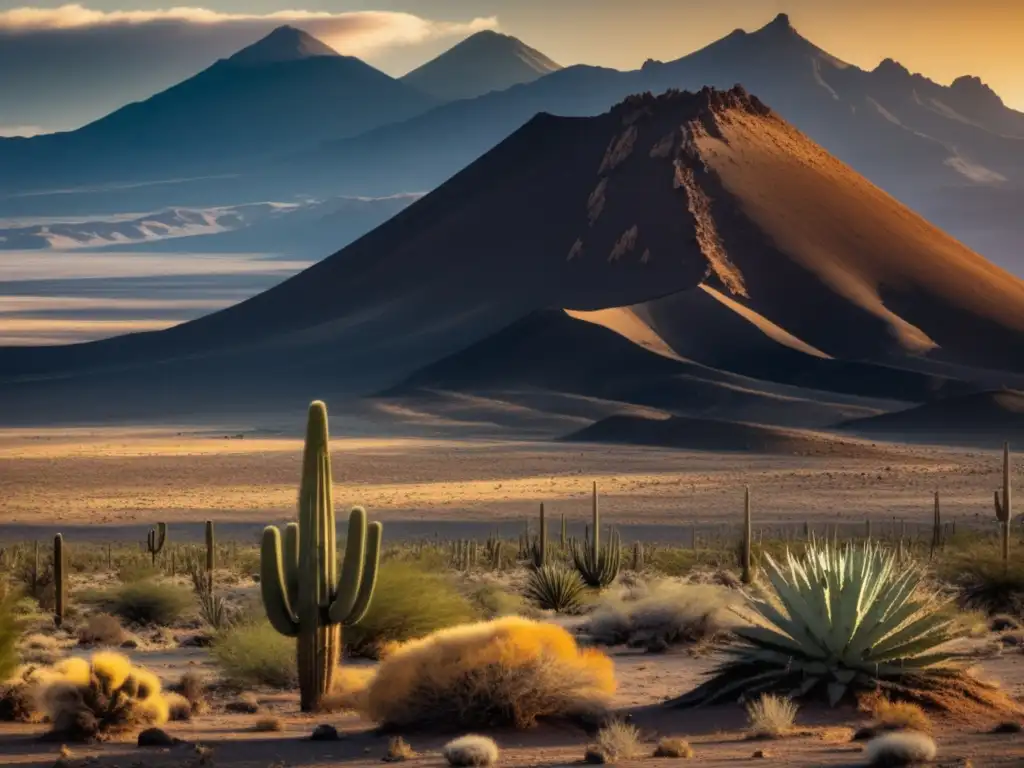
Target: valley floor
pixel 107 483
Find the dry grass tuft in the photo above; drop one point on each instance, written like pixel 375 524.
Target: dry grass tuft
pixel 673 746
pixel 269 724
pixel 246 704
pixel 101 629
pixel 509 671
pixel 663 615
pixel 898 716
pixel 256 654
pixel 770 717
pixel 471 750
pixel 179 709
pixel 616 741
pixel 348 689
pixel 900 749
pixel 399 751
pixel 39 649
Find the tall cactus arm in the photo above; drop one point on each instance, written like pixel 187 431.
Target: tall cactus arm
pixel 374 534
pixel 273 585
pixel 1000 509
pixel 291 562
pixel 352 569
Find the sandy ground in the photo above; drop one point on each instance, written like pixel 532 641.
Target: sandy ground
pixel 645 681
pixel 110 482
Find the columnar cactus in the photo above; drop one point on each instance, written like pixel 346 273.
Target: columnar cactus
pixel 747 572
pixel 638 557
pixel 211 553
pixel 539 547
pixel 60 579
pixel 597 566
pixel 302 594
pixel 1004 506
pixel 936 527
pixel 156 539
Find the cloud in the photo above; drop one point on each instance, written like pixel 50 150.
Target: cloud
pixel 75 64
pixel 20 130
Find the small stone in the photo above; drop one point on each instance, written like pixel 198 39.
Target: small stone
pixel 157 737
pixel 130 644
pixel 761 754
pixel 202 640
pixel 864 733
pixel 1010 726
pixel 325 733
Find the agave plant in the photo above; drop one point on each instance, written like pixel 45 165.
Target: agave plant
pixel 839 620
pixel 555 588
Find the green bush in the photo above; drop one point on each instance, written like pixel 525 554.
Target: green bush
pixel 149 602
pixel 493 601
pixel 407 603
pixel 256 654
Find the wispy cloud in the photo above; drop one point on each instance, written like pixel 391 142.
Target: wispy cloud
pixel 356 31
pixel 20 130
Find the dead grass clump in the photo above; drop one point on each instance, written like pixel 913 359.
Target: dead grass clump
pixel 770 717
pixel 193 688
pixel 399 751
pixel 90 700
pixel 179 709
pixel 957 693
pixel 673 746
pixel 665 614
pixel 509 671
pixel 898 716
pixel 101 629
pixel 1002 622
pixel 616 741
pixel 348 689
pixel 471 750
pixel 40 649
pixel 269 724
pixel 900 749
pixel 18 702
pixel 256 654
pixel 246 704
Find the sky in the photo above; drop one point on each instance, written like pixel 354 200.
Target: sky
pixel 76 63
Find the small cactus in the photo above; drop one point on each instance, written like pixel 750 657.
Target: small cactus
pixel 60 579
pixel 747 576
pixel 638 557
pixel 599 566
pixel 539 546
pixel 156 539
pixel 1004 506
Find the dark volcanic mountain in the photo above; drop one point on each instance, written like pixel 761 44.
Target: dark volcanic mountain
pixel 285 91
pixel 487 61
pixel 714 246
pixel 954 154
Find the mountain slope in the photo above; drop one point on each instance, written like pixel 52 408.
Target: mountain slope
pixel 657 197
pixel 954 154
pixel 484 62
pixel 285 91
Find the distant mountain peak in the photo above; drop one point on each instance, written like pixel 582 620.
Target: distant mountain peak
pixel 781 21
pixel 974 88
pixel 285 43
pixel 892 67
pixel 483 62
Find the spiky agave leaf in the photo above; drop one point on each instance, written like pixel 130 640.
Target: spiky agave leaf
pixel 555 588
pixel 837 620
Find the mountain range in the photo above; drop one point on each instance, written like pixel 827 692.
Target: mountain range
pixel 688 258
pixel 285 117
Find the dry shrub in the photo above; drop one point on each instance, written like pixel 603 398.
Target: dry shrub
pixel 471 750
pixel 508 671
pixel 90 700
pixel 101 629
pixel 348 689
pixel 956 692
pixel 899 749
pixel 398 751
pixel 616 741
pixel 268 724
pixel 663 615
pixel 672 746
pixel 193 688
pixel 256 654
pixel 11 627
pixel 40 649
pixel 179 709
pixel 246 704
pixel 770 717
pixel 408 602
pixel 897 716
pixel 19 702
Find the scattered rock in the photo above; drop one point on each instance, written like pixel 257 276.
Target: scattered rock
pixel 157 737
pixel 864 733
pixel 325 733
pixel 1010 726
pixel 130 644
pixel 761 754
pixel 202 640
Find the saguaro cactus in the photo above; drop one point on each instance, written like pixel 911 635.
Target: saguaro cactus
pixel 936 528
pixel 302 593
pixel 539 547
pixel 156 539
pixel 1004 507
pixel 211 553
pixel 747 575
pixel 597 566
pixel 60 579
